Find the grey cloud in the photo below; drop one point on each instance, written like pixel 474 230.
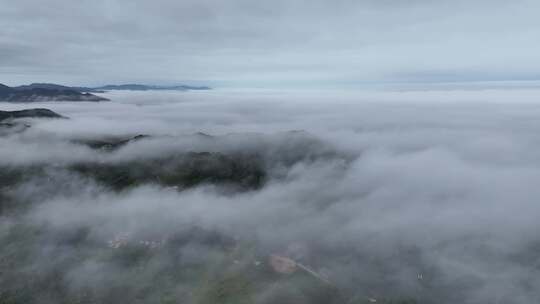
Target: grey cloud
pixel 232 42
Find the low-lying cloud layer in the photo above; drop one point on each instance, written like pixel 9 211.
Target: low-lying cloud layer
pixel 425 196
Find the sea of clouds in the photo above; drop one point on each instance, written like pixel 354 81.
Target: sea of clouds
pixel 431 195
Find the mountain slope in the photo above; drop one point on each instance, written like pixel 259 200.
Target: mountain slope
pixel 32 113
pixel 44 92
pixel 53 86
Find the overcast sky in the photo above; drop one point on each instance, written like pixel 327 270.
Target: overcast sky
pixel 268 43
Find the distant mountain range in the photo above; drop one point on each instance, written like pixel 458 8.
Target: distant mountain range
pixel 54 92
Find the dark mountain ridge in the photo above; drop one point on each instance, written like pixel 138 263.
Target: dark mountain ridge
pixel 29 113
pixel 10 126
pixel 36 92
pixel 53 86
pixel 5 88
pixel 44 92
